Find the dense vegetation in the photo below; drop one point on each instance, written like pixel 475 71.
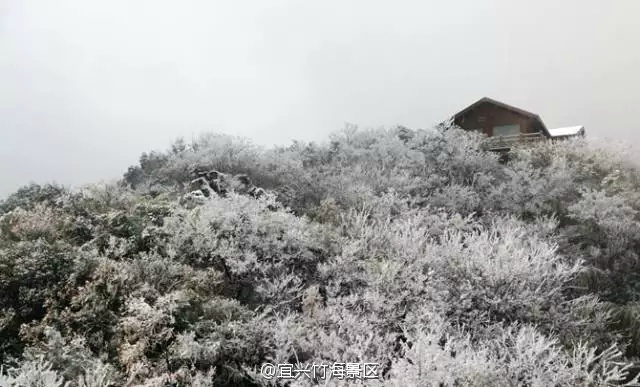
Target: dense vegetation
pixel 413 249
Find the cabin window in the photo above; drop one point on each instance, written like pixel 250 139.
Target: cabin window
pixel 506 130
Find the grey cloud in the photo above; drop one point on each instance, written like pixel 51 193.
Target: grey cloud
pixel 87 86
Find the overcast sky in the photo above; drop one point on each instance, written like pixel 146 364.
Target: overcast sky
pixel 86 86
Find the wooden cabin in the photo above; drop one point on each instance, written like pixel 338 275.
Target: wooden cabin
pixel 507 125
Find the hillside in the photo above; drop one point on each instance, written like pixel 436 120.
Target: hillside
pixel 413 250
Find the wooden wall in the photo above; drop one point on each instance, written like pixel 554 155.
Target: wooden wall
pixel 495 116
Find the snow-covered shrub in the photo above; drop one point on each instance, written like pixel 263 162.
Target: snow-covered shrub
pixel 412 249
pixel 39 222
pixel 266 253
pixel 73 359
pixel 514 355
pixel 32 373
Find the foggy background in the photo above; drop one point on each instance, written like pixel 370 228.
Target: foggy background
pixel 86 86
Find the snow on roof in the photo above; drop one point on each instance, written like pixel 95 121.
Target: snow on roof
pixel 568 131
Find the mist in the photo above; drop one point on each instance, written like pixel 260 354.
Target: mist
pixel 87 86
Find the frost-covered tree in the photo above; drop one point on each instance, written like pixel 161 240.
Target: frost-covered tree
pixel 413 249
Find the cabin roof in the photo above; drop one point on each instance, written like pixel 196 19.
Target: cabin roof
pixel 507 107
pixel 567 131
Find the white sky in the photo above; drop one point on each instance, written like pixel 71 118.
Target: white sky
pixel 86 86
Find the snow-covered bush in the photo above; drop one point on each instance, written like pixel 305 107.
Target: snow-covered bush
pixel 416 250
